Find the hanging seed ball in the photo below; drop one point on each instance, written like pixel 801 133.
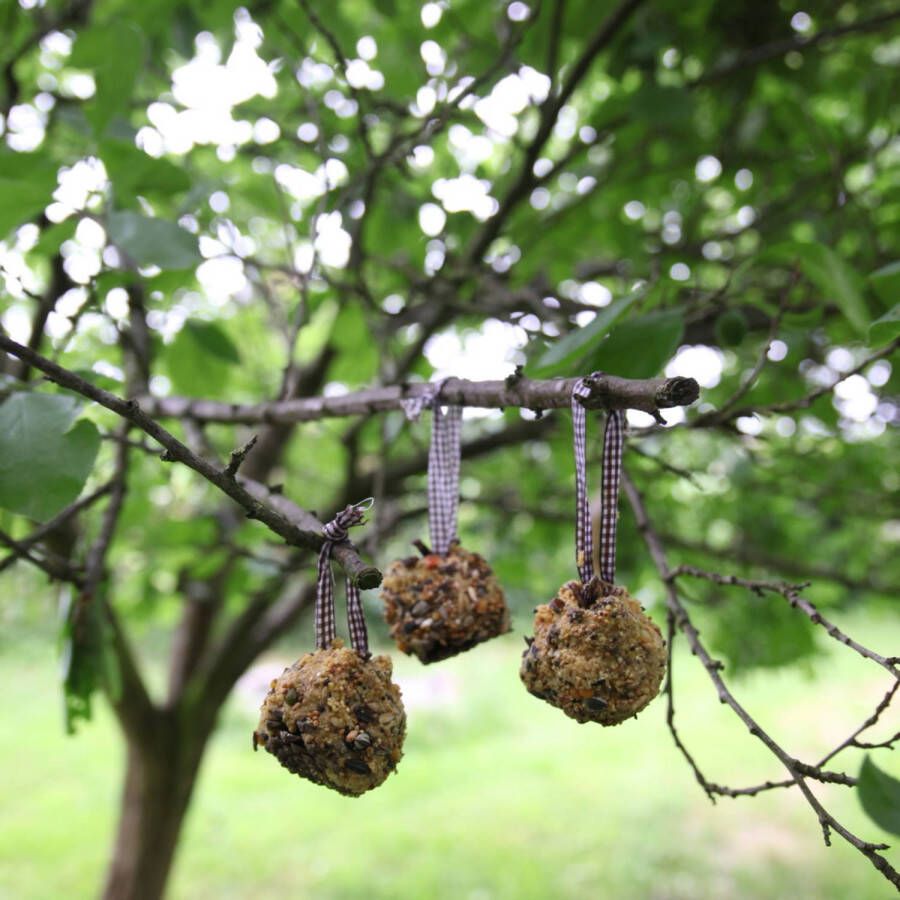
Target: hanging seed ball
pixel 336 719
pixel 595 653
pixel 438 606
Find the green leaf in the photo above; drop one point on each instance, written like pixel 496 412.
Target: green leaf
pixel 568 350
pixel 886 282
pixel 87 659
pixel 115 53
pixel 879 794
pixel 836 280
pixel 731 328
pixel 213 340
pixel 134 172
pixel 885 329
pixel 640 347
pixel 27 181
pixel 152 242
pixel 760 632
pixel 200 358
pixel 662 105
pixel 45 460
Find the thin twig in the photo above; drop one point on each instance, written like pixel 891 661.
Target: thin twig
pixel 777 49
pixel 803 402
pixel 791 593
pixel 55 566
pixel 96 555
pixel 59 519
pixel 238 456
pixel 721 414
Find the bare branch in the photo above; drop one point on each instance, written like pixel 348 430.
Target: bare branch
pixel 608 392
pixel 96 556
pixel 791 593
pixel 748 383
pixel 798 772
pixel 803 569
pixel 853 740
pixel 238 456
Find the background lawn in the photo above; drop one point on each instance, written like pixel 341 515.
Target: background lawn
pixel 498 796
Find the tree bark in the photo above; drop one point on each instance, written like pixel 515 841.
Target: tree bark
pixel 161 772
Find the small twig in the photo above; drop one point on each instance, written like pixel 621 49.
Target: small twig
pixel 797 43
pixel 802 402
pixel 747 555
pixel 51 525
pixel 55 566
pixel 791 593
pixel 709 789
pixel 96 555
pixel 721 414
pixel 853 741
pixel 238 456
pixel 341 60
pixel 665 466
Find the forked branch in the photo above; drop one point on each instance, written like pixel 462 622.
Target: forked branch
pixel 799 773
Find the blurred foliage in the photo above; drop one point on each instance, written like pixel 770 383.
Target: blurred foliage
pixel 691 189
pixel 803 168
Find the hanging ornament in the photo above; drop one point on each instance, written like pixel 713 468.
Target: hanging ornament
pixel 595 653
pixel 334 716
pixel 446 600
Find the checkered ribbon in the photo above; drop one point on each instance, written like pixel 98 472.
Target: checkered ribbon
pixel 443 476
pixel 336 532
pixel 613 440
pixel 443 464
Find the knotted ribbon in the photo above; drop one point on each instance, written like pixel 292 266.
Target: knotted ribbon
pixel 443 465
pixel 336 532
pixel 613 440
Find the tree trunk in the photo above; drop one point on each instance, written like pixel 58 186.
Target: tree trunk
pixel 160 775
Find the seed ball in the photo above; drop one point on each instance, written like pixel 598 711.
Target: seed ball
pixel 595 654
pixel 438 606
pixel 336 719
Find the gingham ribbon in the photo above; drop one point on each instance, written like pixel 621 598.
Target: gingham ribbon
pixel 443 476
pixel 443 464
pixel 613 440
pixel 335 532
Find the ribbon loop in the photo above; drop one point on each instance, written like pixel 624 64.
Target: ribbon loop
pixel 443 476
pixel 443 464
pixel 613 441
pixel 336 531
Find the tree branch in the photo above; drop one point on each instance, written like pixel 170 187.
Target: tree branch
pixel 523 184
pixel 608 392
pixel 729 413
pixel 759 55
pixel 51 525
pixel 791 593
pixel 745 554
pixel 55 566
pixel 309 535
pixel 798 772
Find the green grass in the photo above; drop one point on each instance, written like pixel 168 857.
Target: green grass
pixel 498 796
